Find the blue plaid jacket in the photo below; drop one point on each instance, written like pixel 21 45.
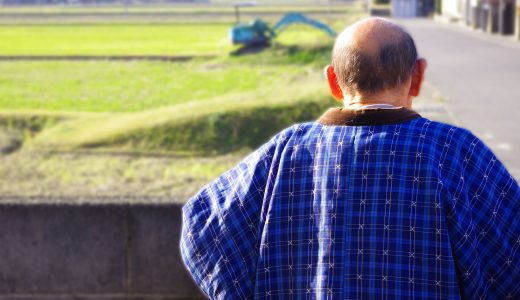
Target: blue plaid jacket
pixel 345 209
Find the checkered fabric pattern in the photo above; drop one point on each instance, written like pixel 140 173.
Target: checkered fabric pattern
pixel 416 210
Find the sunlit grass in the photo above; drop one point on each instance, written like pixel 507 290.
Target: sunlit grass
pixel 155 105
pixel 137 107
pixel 77 174
pixel 170 128
pixel 145 39
pixel 115 39
pixel 101 86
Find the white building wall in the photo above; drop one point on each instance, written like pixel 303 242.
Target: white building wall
pixel 452 8
pixel 404 8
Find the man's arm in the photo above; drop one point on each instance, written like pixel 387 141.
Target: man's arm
pixel 484 221
pixel 221 225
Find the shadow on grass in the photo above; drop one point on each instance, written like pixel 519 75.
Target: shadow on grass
pixel 15 129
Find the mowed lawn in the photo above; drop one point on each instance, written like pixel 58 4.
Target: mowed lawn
pixel 115 39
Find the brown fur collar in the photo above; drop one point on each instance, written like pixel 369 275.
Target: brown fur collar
pixel 365 117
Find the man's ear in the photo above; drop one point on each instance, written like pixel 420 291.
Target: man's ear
pixel 418 77
pixel 333 83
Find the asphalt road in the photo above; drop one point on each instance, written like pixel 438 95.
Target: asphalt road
pixel 478 75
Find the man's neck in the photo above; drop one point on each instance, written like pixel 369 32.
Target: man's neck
pixel 395 99
pixel 375 106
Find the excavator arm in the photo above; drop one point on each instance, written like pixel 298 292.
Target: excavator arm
pixel 293 18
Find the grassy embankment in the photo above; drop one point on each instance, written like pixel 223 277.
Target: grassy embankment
pixel 201 107
pixel 158 106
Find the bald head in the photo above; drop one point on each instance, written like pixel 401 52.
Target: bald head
pixel 373 55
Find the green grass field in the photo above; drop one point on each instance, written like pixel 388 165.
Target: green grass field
pixel 134 103
pixel 115 39
pixel 243 101
pixel 133 39
pixel 112 88
pixel 196 114
pixel 104 86
pixel 130 104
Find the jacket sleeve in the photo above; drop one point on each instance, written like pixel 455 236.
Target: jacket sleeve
pixel 220 232
pixel 484 223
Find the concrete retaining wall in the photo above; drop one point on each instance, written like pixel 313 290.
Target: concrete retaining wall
pixel 92 252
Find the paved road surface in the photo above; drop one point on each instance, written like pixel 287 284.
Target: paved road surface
pixel 479 77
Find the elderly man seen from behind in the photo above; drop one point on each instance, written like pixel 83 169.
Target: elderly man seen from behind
pixel 370 201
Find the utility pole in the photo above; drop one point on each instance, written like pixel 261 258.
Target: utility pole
pixel 237 9
pixel 237 13
pixel 517 21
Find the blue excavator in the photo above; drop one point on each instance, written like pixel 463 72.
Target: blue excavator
pixel 258 32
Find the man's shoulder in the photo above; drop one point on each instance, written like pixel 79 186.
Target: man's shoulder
pixel 467 153
pixel 448 138
pixel 419 127
pixel 426 125
pixel 435 129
